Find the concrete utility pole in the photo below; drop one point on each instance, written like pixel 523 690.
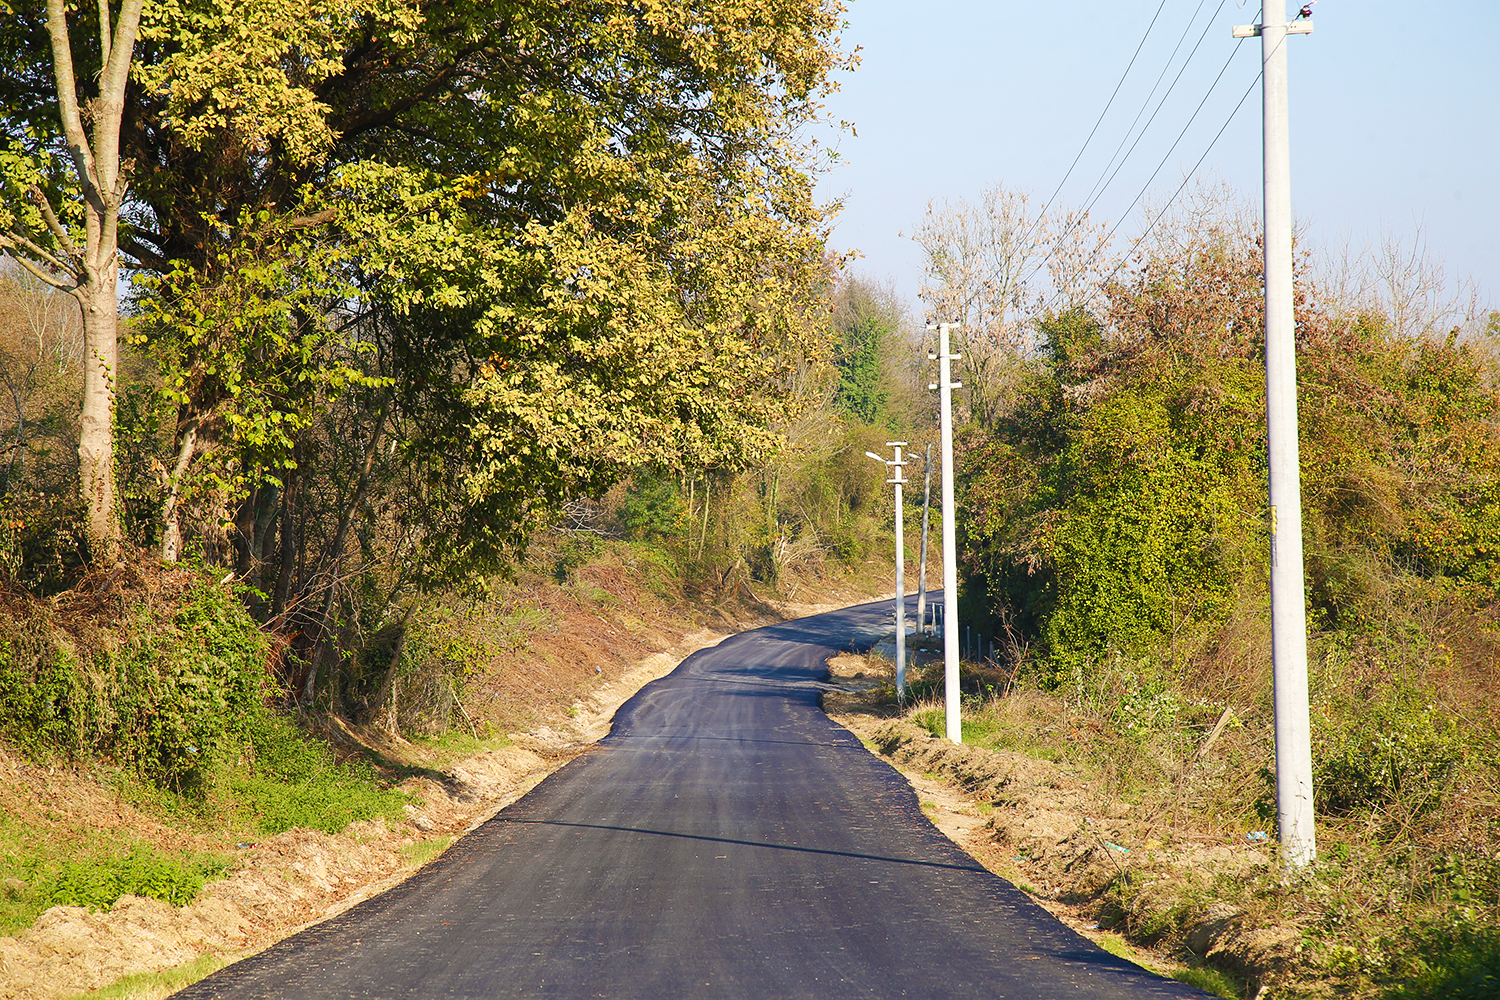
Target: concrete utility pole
pixel 922 570
pixel 898 481
pixel 945 386
pixel 1294 786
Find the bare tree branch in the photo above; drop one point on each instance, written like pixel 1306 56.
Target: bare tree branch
pixel 16 241
pixel 54 225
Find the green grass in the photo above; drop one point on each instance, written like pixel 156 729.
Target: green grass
pixel 1118 947
pixel 1459 961
pixel 1208 980
pixel 1204 978
pixel 18 907
pixel 93 870
pixel 422 851
pixel 295 782
pixel 154 985
pixel 52 858
pixel 285 779
pixel 978 729
pixel 458 743
pixel 99 881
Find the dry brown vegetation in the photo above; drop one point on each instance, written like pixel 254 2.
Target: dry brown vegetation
pixel 585 645
pixel 1154 835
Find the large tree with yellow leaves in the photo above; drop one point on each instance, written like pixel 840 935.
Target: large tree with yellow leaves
pixel 542 242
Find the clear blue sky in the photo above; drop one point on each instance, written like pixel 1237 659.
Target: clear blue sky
pixel 1395 116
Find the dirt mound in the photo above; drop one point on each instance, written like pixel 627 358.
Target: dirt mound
pixel 1082 854
pixel 299 877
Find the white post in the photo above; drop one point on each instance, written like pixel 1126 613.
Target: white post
pixel 922 570
pixel 945 387
pixel 1294 786
pixel 898 481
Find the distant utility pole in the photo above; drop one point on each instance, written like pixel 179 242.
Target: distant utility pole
pixel 1294 785
pixel 922 571
pixel 945 386
pixel 898 481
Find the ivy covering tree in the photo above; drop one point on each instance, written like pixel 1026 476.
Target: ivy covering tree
pixel 878 364
pixel 1118 509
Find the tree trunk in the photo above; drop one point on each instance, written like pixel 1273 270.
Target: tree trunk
pixel 95 267
pixel 288 539
pixel 171 534
pixel 386 710
pixel 323 637
pixel 96 449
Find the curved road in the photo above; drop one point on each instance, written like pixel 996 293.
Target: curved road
pixel 725 841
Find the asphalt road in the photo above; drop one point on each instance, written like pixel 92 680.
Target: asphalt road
pixel 724 841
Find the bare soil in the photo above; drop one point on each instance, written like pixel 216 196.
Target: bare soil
pixel 608 637
pixel 1050 830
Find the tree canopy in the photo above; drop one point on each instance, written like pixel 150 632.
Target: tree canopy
pixel 542 242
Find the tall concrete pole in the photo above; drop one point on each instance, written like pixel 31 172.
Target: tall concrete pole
pixel 922 570
pixel 1294 786
pixel 945 386
pixel 898 480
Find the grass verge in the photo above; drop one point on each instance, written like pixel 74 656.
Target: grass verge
pixel 1135 809
pixel 155 985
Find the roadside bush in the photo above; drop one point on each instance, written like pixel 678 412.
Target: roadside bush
pixel 169 697
pixel 652 508
pixel 99 883
pixel 40 689
pixel 1397 747
pixel 183 693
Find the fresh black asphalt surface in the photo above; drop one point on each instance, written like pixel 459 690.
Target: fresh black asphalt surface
pixel 726 840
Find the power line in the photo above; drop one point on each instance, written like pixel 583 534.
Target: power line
pixel 1107 105
pixel 1172 200
pixel 1179 138
pixel 1144 188
pixel 1093 198
pixel 1090 199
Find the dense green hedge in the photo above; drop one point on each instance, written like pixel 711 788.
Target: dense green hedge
pixel 1119 506
pixel 170 695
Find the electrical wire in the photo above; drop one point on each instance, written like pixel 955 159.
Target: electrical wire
pixel 1107 105
pixel 1180 188
pixel 1134 201
pixel 1091 198
pixel 1097 192
pixel 1145 187
pixel 1214 86
pixel 1170 201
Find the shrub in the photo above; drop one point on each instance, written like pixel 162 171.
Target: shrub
pixel 171 698
pixel 1396 747
pixel 40 689
pixel 99 882
pixel 184 693
pixel 652 507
